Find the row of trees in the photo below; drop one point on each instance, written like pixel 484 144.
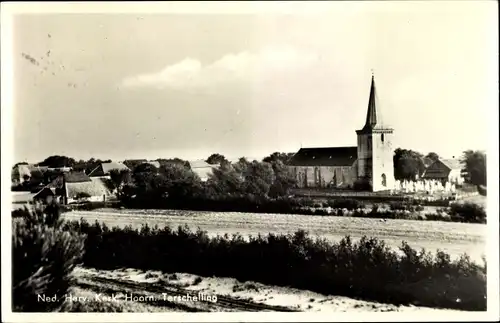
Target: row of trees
pixel 408 164
pixel 178 182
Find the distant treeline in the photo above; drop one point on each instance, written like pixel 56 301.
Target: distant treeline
pixel 408 164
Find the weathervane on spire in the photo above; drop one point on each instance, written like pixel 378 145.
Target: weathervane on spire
pixel 373 74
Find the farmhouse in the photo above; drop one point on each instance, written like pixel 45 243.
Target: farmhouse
pixel 445 170
pixel 74 186
pixel 104 169
pixel 201 168
pixel 370 163
pixel 23 172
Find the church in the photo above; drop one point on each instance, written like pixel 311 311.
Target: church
pixel 368 166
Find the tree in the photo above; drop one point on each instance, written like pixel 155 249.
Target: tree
pixel 224 180
pixel 143 176
pixel 50 175
pixel 57 161
pixel 216 159
pixel 241 165
pixel 408 164
pixel 133 163
pixel 475 167
pixel 119 178
pixel 145 168
pixel 430 158
pixel 277 156
pixel 178 182
pixel 283 180
pixel 258 178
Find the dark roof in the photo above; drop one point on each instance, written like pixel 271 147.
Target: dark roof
pixel 131 163
pixel 453 163
pixel 441 168
pixel 76 177
pixel 44 192
pixel 328 156
pixel 71 177
pixel 165 162
pixel 135 161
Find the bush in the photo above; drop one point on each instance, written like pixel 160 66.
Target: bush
pixel 43 257
pixel 349 204
pixel 468 212
pixel 344 268
pixel 362 185
pixel 401 206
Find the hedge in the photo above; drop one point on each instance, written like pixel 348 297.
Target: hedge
pixel 367 269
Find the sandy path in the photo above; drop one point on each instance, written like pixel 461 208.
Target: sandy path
pixel 300 300
pixel 454 238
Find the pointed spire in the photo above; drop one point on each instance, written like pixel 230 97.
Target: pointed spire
pixel 371 116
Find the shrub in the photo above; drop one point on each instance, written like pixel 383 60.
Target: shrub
pixel 400 206
pixel 469 212
pixel 43 257
pixel 349 204
pixel 362 185
pixel 344 268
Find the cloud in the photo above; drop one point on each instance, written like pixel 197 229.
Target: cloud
pixel 244 66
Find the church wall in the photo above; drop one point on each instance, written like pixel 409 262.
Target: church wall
pixel 323 176
pixel 364 156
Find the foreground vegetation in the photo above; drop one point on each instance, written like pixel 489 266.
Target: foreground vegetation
pixel 43 257
pixel 367 269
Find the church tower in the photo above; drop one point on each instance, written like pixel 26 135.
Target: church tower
pixel 375 151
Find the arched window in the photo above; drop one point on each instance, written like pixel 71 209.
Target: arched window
pixel 384 180
pixel 382 137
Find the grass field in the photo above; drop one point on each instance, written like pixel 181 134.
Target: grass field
pixel 453 238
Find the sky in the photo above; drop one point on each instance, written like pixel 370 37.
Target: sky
pixel 162 85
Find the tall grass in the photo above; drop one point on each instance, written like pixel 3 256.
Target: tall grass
pixel 367 269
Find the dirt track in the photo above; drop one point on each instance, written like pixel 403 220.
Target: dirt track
pixel 454 238
pixel 231 295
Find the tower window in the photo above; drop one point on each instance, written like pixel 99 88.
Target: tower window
pixel 382 137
